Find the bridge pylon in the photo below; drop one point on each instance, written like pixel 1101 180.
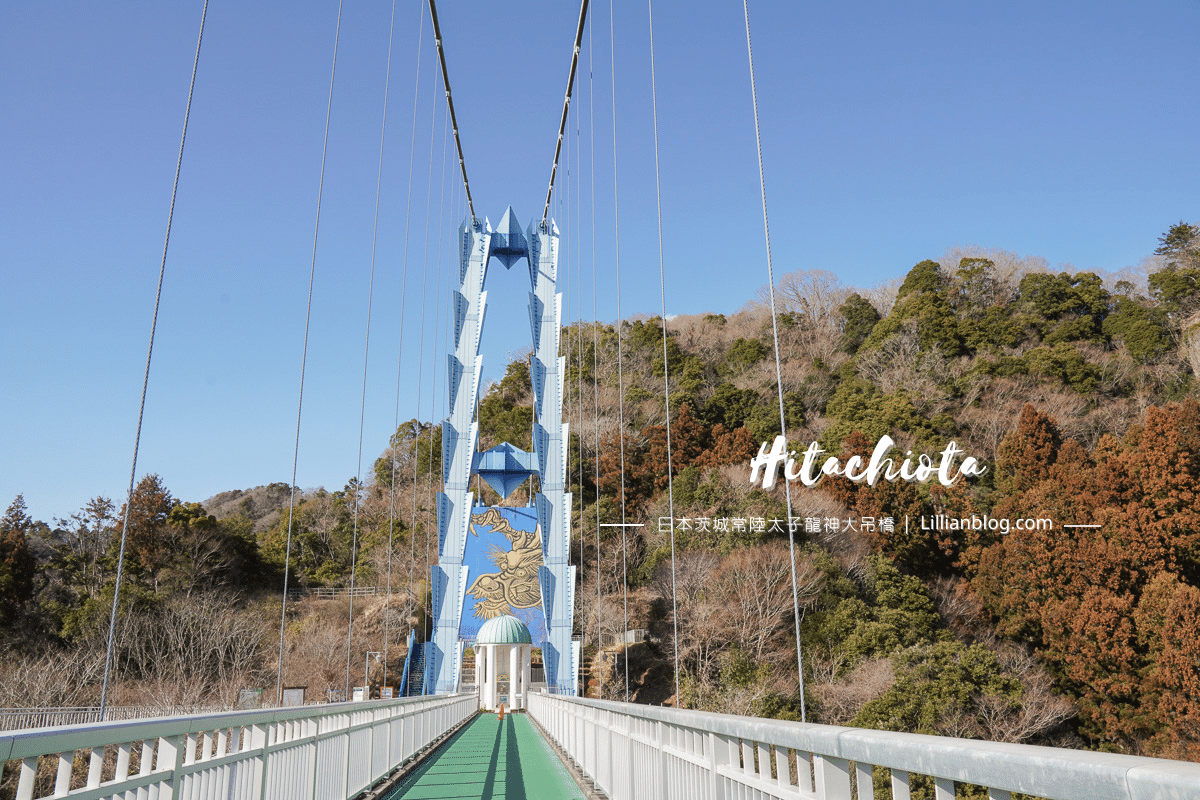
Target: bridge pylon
pixel 550 586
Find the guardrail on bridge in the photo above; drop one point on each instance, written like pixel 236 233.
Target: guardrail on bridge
pixel 12 719
pixel 633 751
pixel 331 592
pixel 327 752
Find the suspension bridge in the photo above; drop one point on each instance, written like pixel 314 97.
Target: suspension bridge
pixel 471 720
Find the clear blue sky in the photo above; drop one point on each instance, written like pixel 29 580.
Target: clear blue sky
pixel 891 131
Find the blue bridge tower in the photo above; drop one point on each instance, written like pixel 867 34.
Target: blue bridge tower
pixel 504 467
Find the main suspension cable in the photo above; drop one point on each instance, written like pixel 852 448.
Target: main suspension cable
pixel 304 355
pixel 562 124
pixel 137 438
pixel 662 283
pixel 437 37
pixel 762 182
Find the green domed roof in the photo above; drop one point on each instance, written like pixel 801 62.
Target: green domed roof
pixel 504 630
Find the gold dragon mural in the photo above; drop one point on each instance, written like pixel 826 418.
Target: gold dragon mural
pixel 515 585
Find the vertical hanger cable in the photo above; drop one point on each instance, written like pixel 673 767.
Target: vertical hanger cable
pixel 137 438
pixel 662 283
pixel 304 357
pixel 778 370
pixel 400 352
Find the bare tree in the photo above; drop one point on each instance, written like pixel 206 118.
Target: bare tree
pixel 813 298
pixel 55 679
pixel 962 611
pixel 1191 342
pixel 700 638
pixel 753 587
pixel 1008 267
pixel 839 701
pixel 899 363
pixel 194 650
pixel 1039 709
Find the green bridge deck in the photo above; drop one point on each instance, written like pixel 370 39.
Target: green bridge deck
pixel 490 758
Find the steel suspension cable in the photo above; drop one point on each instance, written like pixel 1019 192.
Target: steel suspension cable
pixel 304 355
pixel 578 343
pixel 562 124
pixel 362 413
pixel 595 357
pixel 387 603
pixel 762 182
pixel 662 283
pixel 412 597
pixel 620 373
pixel 421 353
pixel 433 383
pixel 579 333
pixel 137 438
pixel 437 37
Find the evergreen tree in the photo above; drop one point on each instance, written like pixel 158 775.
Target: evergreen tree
pixel 858 320
pixel 17 564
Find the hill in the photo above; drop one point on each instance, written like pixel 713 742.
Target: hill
pixel 924 607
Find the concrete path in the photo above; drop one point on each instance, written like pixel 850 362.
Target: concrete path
pixel 490 759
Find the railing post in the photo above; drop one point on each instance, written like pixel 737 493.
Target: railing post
pixel 95 765
pixel 866 781
pixel 833 777
pixel 189 749
pixel 660 741
pixel 783 767
pixel 258 741
pixel 349 757
pixel 170 757
pixel 900 785
pixel 607 729
pixel 629 756
pixel 943 788
pixel 123 753
pixel 714 779
pixel 146 764
pixel 592 753
pixel 28 775
pixel 62 780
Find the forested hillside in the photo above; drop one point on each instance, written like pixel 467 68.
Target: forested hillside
pixel 1078 391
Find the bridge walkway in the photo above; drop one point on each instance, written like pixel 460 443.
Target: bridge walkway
pixel 491 758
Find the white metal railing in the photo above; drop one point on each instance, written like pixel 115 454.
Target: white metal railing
pixel 634 752
pixel 328 592
pixel 319 752
pixel 12 719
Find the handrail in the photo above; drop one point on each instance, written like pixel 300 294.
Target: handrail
pixel 323 752
pixel 12 719
pixel 696 754
pixel 412 638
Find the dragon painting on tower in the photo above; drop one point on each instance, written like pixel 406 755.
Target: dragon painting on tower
pixel 515 584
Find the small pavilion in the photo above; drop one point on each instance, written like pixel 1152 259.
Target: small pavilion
pixel 503 656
